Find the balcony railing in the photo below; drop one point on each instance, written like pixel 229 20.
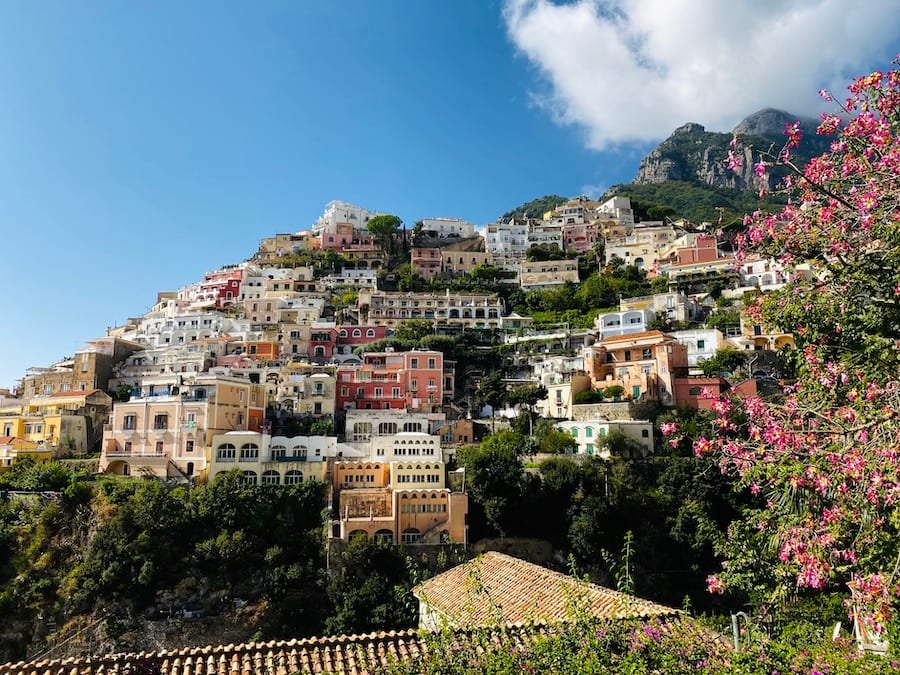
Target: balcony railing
pixel 134 453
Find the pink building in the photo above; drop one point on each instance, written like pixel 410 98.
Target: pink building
pixel 392 381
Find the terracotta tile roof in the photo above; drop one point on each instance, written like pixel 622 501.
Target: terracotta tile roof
pixel 341 655
pixel 73 394
pixel 632 336
pixel 499 589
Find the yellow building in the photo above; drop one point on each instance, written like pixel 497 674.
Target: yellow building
pixel 66 423
pixel 12 448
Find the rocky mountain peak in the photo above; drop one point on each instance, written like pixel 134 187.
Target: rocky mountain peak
pixel 770 122
pixel 689 128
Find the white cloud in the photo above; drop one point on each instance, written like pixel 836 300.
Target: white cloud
pixel 634 70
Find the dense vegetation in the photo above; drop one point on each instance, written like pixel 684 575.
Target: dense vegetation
pixel 535 208
pixel 693 201
pixel 130 552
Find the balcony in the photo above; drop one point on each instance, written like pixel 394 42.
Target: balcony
pixel 121 452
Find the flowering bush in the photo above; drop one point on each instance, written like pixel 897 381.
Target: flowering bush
pixel 825 461
pixel 592 646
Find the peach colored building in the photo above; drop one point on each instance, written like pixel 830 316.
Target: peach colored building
pixel 644 364
pixel 426 262
pixel 397 502
pixel 169 431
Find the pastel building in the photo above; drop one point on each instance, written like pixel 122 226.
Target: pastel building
pixel 447 311
pixel 167 428
pixel 548 273
pixel 397 502
pixel 393 380
pixel 273 460
pixel 92 367
pixel 591 435
pixel 643 364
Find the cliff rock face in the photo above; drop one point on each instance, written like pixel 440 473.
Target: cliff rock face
pixel 696 155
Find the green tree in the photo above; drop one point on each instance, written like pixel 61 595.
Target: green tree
pixel 491 392
pixel 725 360
pixel 494 476
pixel 371 591
pixel 385 228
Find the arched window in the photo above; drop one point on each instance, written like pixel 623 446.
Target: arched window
pixel 370 332
pixel 357 332
pixel 225 452
pixel 384 537
pixel 589 432
pixel 249 478
pixel 249 451
pixel 410 535
pixel 271 478
pixel 358 534
pixel 293 477
pixel 574 432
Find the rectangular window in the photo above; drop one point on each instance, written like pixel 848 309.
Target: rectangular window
pixel 84 363
pixel 379 392
pixel 159 447
pixel 129 422
pixel 48 389
pixel 701 344
pixel 189 446
pixel 161 421
pixel 127 447
pixel 647 354
pixel 64 387
pixel 432 363
pixel 414 363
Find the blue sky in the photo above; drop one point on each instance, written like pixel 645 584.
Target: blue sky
pixel 142 144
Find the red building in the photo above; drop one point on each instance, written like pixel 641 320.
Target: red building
pixel 392 381
pixel 354 336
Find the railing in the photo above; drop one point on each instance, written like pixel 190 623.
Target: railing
pixel 134 453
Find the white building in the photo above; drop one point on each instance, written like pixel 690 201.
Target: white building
pixel 591 434
pixel 338 212
pixel 701 343
pixel 406 445
pixel 673 305
pixel 275 460
pixel 631 321
pixel 362 426
pixel 507 240
pixel 448 227
pixel 617 208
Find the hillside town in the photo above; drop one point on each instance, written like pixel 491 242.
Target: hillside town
pixel 283 367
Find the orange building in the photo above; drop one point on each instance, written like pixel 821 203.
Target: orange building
pixel 644 364
pixel 397 502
